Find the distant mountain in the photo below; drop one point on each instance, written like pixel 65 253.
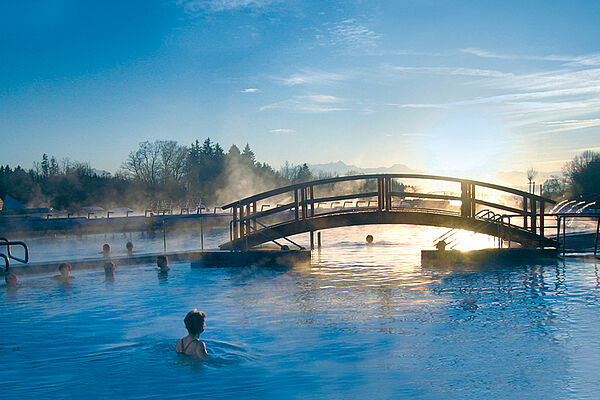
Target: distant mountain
pixel 341 168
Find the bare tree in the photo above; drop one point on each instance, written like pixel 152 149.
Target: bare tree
pixel 531 174
pixel 172 160
pixel 143 163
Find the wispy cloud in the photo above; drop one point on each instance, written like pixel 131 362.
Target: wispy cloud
pixel 551 101
pixel 455 71
pixel 312 77
pixel 199 6
pixel 282 130
pixel 352 34
pixel 250 90
pixel 316 103
pixel 585 60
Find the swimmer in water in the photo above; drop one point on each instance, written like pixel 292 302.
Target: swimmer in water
pixel 162 263
pixel 65 273
pixel 109 270
pixel 105 250
pixel 191 344
pixel 369 239
pixel 129 247
pixel 10 279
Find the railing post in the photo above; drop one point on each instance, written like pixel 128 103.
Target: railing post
pixel 254 213
pixel 303 202
pixel 542 224
pixel 312 201
pixel 388 193
pixel 242 225
pixel 558 231
pixel 533 216
pixel 379 194
pixel 235 223
pixel 463 199
pixel 525 212
pixel 296 204
pixel 472 202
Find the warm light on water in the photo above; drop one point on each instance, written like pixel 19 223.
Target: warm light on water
pixel 360 322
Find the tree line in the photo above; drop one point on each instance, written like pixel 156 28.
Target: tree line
pixel 580 176
pixel 202 173
pixel 160 170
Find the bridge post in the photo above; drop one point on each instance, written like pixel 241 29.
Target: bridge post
pixel 303 202
pixel 312 201
pixel 533 215
pixel 388 193
pixel 296 204
pixel 467 197
pixel 253 213
pixel 379 194
pixel 242 225
pixel 542 212
pixel 525 212
pixel 235 228
pixel 472 201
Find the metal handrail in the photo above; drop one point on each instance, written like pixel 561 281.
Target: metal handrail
pixel 454 229
pixel 8 243
pixel 6 263
pixel 246 223
pixel 283 237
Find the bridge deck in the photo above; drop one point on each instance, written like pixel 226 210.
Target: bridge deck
pixel 336 219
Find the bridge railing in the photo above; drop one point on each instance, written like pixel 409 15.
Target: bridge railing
pixel 385 193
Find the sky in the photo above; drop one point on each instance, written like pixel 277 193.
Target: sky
pixel 462 88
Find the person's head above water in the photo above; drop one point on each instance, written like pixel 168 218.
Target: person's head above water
pixel 10 279
pixel 106 249
pixel 129 247
pixel 194 322
pixel 162 262
pixel 65 270
pixel 369 239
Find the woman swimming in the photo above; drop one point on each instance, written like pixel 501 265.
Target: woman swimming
pixel 191 345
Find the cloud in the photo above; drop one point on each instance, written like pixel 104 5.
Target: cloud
pixel 250 90
pixel 315 103
pixel 198 6
pixel 350 33
pixel 557 100
pixel 484 73
pixel 282 130
pixel 586 60
pixel 312 77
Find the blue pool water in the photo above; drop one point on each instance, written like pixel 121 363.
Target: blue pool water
pixel 360 322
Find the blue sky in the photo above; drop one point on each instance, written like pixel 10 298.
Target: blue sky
pixel 467 88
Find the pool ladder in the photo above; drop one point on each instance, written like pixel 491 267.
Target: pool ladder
pixel 7 254
pixel 487 217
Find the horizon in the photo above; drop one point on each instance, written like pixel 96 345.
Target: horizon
pixel 474 89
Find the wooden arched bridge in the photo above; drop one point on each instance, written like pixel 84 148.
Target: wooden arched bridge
pixel 511 215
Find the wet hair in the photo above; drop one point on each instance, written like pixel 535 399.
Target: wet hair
pixel 129 246
pixel 162 261
pixel 63 266
pixel 109 267
pixel 106 247
pixel 194 322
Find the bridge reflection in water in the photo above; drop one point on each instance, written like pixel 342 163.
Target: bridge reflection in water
pixel 509 214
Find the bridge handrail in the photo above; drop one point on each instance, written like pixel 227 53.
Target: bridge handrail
pixel 285 189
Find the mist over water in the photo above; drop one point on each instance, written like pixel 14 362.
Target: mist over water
pixel 361 321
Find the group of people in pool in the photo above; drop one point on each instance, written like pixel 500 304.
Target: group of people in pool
pixel 64 269
pixel 194 320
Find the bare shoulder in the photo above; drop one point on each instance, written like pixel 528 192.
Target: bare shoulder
pixel 201 350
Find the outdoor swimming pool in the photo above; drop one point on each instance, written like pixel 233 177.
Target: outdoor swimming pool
pixel 361 322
